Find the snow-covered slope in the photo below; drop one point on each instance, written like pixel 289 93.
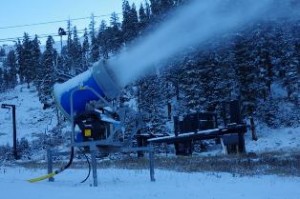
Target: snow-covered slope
pixel 31 118
pixel 271 140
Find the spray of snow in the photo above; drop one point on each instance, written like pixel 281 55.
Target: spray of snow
pixel 192 25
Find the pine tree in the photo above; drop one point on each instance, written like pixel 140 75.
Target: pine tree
pixel 152 104
pixel 247 74
pixel 2 52
pixel 148 11
pixel 85 50
pixel 63 60
pixel 1 81
pixel 76 53
pixel 102 39
pixel 6 79
pixel 36 60
pixel 166 5
pixel 260 47
pixel 94 52
pixel 20 60
pixel 130 22
pixel 27 65
pixel 143 18
pixel 155 7
pixel 66 53
pixel 10 66
pixel 69 33
pixel 48 63
pixel 160 8
pixel 114 34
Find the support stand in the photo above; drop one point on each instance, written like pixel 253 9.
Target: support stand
pixel 106 145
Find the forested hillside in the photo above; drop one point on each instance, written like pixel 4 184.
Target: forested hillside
pixel 260 65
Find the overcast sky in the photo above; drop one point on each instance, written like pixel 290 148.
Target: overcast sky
pixel 22 12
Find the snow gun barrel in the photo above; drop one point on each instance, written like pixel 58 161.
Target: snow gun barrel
pixel 91 85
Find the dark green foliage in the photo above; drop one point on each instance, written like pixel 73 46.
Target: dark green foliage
pixel 2 52
pixel 144 17
pixel 23 148
pixel 130 22
pixel 1 81
pixel 103 40
pixel 94 48
pixel 114 34
pixel 76 53
pixel 48 67
pixel 85 51
pixel 25 62
pixel 36 56
pixel 152 104
pixel 10 66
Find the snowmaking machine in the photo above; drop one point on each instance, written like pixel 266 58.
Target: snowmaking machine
pixel 87 100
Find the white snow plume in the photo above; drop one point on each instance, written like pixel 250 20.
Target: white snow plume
pixel 195 23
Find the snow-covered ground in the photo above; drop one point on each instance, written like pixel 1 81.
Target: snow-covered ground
pixel 31 118
pixel 270 140
pixel 115 183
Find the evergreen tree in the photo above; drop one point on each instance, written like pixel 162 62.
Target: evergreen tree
pixel 2 52
pixel 76 53
pixel 143 18
pixel 27 65
pixel 1 81
pixel 69 34
pixel 152 104
pixel 36 60
pixel 166 5
pixel 10 66
pixel 247 74
pixel 148 11
pixel 48 63
pixel 85 50
pixel 114 34
pixel 130 22
pixel 160 8
pixel 66 53
pixel 94 52
pixel 20 60
pixel 260 46
pixel 6 79
pixel 102 39
pixel 155 7
pixel 63 60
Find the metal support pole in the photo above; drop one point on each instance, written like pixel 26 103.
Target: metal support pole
pixel 13 109
pixel 94 164
pixel 151 161
pixel 50 164
pixel 14 132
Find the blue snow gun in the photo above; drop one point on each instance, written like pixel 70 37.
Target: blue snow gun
pixel 94 84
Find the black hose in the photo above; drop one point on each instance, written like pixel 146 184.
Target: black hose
pixel 69 163
pixel 87 160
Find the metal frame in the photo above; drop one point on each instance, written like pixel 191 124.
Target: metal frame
pixel 95 146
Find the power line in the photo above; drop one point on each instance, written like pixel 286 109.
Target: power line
pixel 44 35
pixel 51 22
